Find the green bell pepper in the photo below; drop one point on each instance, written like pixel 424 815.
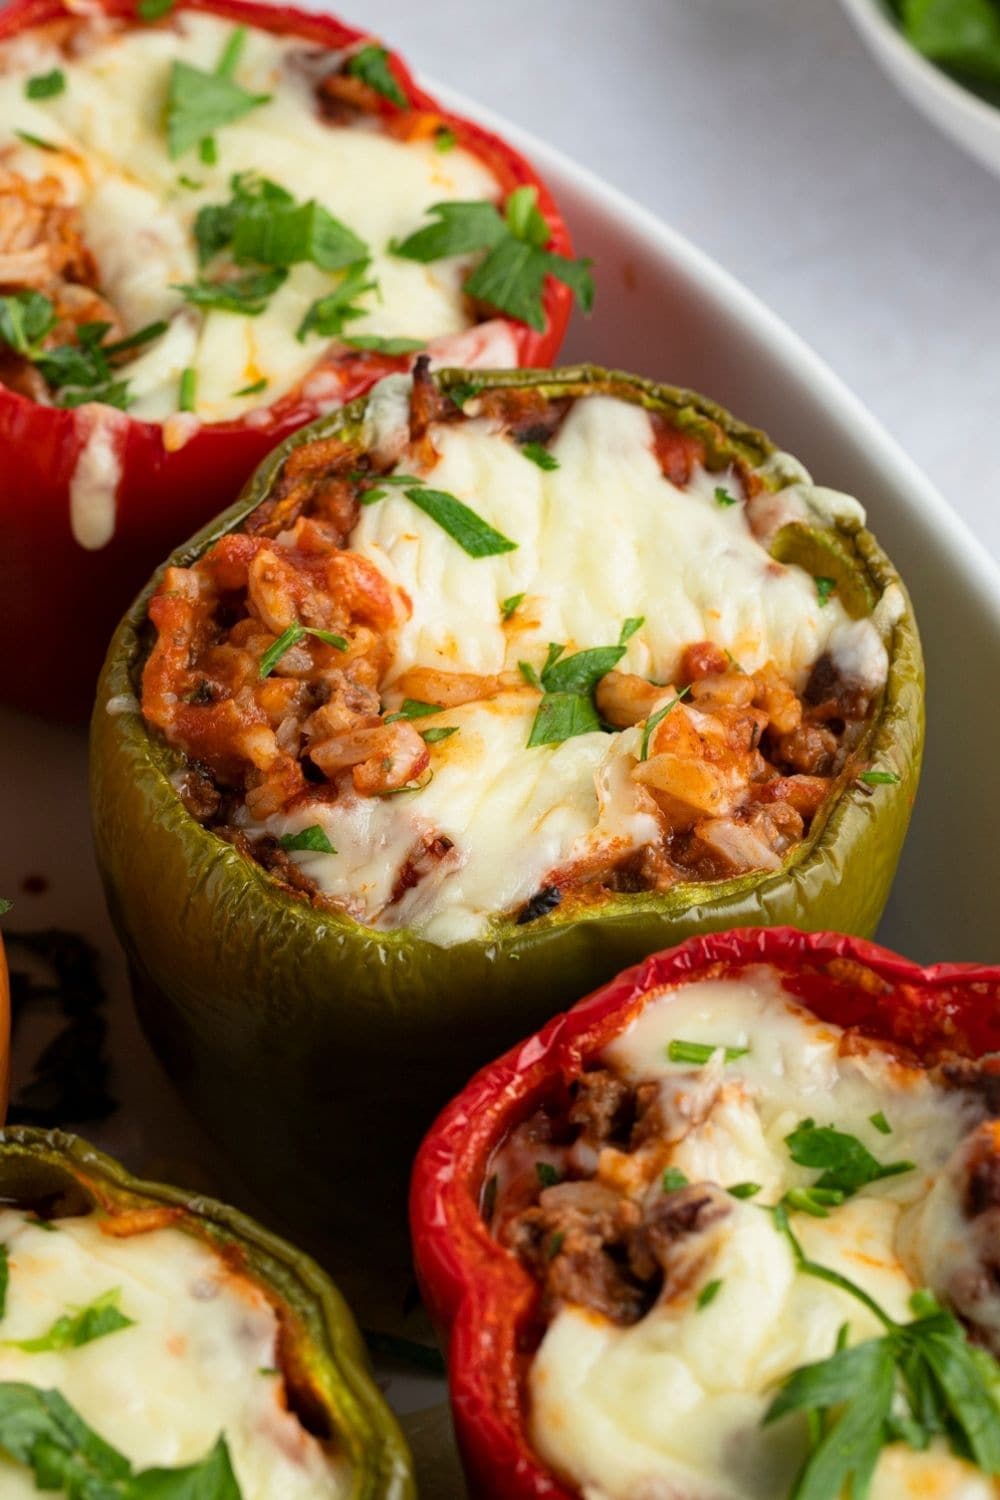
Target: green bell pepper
pixel 346 1039
pixel 323 1358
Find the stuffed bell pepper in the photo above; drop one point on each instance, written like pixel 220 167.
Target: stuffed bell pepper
pixel 729 1230
pixel 155 1345
pixel 218 220
pixel 486 686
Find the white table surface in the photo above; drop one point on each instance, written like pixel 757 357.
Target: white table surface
pixel 764 131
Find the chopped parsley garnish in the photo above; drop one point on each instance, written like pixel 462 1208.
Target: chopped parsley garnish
pixel 371 64
pixel 312 839
pixel 153 10
pixel 35 140
pixel 247 295
pixel 255 389
pixel 880 1122
pixel 708 1293
pixel 413 708
pixel 825 589
pixel 463 391
pixel 444 138
pixel 198 103
pixel 208 152
pixel 846 1164
pixel 510 604
pixel 328 315
pixel 286 234
pixel 918 1380
pixel 540 455
pixel 511 277
pixel 815 1201
pixel 40 1429
pixel 879 778
pixel 567 707
pixel 76 372
pixel 658 718
pixel 292 637
pixel 698 1053
pixel 95 1321
pixel 46 85
pixel 723 497
pixel 373 344
pixel 188 390
pixel 435 736
pixel 547 1174
pixel 744 1190
pixel 529 674
pixel 555 1244
pixel 673 1178
pixel 474 535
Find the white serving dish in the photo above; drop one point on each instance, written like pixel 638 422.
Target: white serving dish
pixel 959 112
pixel 665 310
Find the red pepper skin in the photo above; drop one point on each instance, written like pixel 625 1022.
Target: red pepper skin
pixel 61 602
pixel 481 1299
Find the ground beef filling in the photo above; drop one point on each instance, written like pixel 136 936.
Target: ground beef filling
pixel 582 1193
pixel 314 725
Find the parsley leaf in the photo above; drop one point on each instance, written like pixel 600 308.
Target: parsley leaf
pixel 825 589
pixel 567 708
pixel 511 277
pixel 25 318
pixel 474 535
pixel 76 372
pixel 371 64
pixel 413 708
pixel 254 389
pixel 723 497
pixel 391 346
pixel 744 1190
pixel 673 1178
pixel 312 838
pixel 848 1165
pixel 291 637
pixel 35 140
pixel 199 102
pixel 538 454
pixel 547 1174
pixel 879 778
pixel 699 1053
pixel 658 718
pixel 435 736
pixel 328 314
pixel 708 1293
pixel 510 604
pixel 444 139
pixel 247 295
pixel 188 390
pixel 563 716
pixel 98 1318
pixel 46 85
pixel 285 234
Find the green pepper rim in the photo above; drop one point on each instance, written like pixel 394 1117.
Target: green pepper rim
pixel 328 1346
pixel 725 437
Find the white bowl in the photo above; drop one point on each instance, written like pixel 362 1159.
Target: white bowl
pixel 958 111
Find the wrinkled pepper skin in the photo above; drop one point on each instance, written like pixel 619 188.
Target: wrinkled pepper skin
pixel 325 1350
pixel 480 1297
pixel 350 1037
pixel 61 602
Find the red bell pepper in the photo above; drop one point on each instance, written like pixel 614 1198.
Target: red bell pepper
pixel 482 1300
pixel 61 601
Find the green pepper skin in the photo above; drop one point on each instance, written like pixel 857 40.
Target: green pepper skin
pixel 342 1041
pixel 329 1356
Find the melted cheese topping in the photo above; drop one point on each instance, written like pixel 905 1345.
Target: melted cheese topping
pixel 673 1405
pixel 138 217
pixel 198 1360
pixel 602 538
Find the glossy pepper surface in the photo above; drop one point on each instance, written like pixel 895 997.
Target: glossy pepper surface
pixel 481 1298
pixel 61 601
pixel 355 1036
pixel 323 1358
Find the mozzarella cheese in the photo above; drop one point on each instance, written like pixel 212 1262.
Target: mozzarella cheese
pixel 603 537
pixel 138 216
pixel 673 1404
pixel 198 1360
